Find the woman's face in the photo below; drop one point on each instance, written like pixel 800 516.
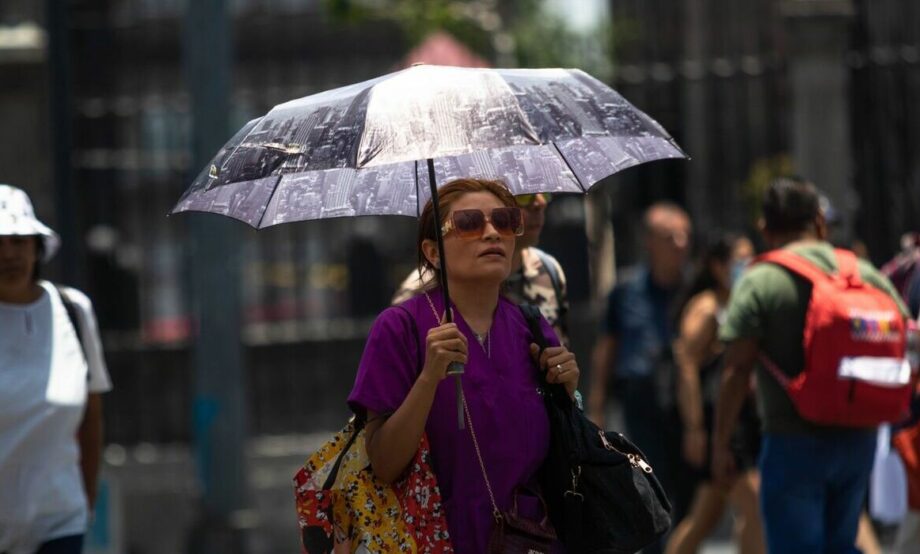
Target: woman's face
pixel 18 255
pixel 485 258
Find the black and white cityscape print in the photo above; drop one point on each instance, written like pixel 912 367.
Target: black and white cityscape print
pixel 363 149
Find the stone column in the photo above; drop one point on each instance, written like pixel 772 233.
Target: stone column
pixel 694 108
pixel 818 36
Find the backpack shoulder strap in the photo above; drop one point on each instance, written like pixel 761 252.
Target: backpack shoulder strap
pixel 794 263
pixel 847 266
pixel 71 308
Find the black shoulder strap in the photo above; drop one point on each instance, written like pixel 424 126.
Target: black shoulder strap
pixel 71 309
pixel 532 315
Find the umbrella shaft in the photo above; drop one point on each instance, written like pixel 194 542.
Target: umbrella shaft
pixel 442 274
pixel 454 368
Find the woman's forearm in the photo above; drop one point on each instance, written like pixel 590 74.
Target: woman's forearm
pixel 392 444
pixel 89 438
pixel 689 397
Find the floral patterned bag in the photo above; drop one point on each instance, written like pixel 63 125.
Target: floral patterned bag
pixel 342 507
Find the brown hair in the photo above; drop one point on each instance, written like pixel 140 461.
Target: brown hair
pixel 447 195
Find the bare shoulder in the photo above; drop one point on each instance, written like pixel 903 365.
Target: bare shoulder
pixel 703 304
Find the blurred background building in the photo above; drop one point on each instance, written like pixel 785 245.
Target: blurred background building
pixel 96 114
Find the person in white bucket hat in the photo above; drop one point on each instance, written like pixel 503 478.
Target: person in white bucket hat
pixel 17 218
pixel 52 374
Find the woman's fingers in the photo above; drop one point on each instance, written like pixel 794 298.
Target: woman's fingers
pixel 451 345
pixel 446 333
pixel 563 374
pixel 535 352
pixel 445 344
pixel 550 360
pixel 559 363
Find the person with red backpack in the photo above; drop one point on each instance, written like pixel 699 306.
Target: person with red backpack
pixel 827 334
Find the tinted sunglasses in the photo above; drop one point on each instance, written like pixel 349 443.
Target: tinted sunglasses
pixel 470 224
pixel 527 200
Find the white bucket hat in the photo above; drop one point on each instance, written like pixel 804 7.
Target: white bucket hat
pixel 18 218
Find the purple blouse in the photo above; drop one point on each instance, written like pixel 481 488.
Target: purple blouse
pixel 507 412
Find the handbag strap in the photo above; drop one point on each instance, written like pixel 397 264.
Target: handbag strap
pixel 533 316
pixel 334 472
pixel 496 513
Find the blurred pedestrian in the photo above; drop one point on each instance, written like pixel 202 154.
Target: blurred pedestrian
pixel 536 276
pixel 906 441
pixel 903 271
pixel 813 476
pixel 632 357
pixel 401 388
pixel 52 374
pixel 698 355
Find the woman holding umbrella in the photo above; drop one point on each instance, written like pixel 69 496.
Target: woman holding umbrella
pixel 489 466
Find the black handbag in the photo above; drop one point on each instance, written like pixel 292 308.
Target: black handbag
pixel 603 496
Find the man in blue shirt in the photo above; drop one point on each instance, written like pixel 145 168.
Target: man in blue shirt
pixel 632 357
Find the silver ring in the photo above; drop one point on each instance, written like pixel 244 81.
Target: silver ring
pixel 559 367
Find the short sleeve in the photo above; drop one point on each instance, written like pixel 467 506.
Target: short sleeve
pixel 389 365
pixel 744 315
pixel 99 380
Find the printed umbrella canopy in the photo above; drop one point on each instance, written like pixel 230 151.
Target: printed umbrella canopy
pixel 356 150
pixel 381 146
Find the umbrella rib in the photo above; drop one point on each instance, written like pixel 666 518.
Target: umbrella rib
pixel 568 165
pixel 269 201
pixel 418 194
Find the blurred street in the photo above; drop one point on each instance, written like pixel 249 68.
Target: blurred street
pixel 224 342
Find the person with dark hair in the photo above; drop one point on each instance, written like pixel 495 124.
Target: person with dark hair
pixel 402 390
pixel 813 475
pixel 632 356
pixel 52 374
pixel 698 356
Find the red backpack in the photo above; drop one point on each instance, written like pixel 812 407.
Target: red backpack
pixel 855 372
